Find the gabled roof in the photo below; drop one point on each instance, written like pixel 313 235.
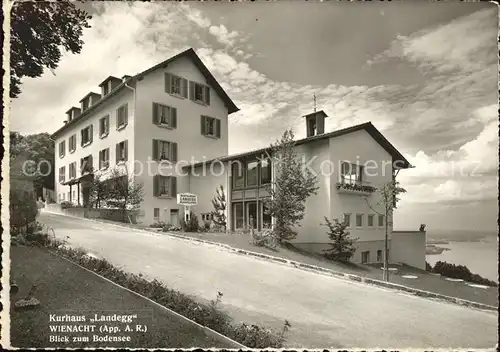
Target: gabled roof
pixel 367 126
pixel 88 95
pixel 189 53
pixel 109 78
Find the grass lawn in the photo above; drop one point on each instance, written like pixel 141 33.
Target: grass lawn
pixel 63 288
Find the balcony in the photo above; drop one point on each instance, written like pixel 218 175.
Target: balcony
pixel 355 187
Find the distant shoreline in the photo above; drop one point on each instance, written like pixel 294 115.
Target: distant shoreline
pixel 431 249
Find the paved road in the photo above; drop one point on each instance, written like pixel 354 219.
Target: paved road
pixel 325 312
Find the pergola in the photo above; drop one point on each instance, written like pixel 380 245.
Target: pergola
pixel 88 177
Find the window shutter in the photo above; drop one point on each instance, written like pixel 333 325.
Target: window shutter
pixel 117 117
pixel 155 114
pixel 168 86
pixel 173 186
pixel 117 152
pixel 156 190
pixel 207 95
pixel 155 150
pixel 184 87
pixel 81 137
pixel 101 159
pixel 173 152
pixel 91 163
pixel 91 133
pixel 191 90
pixel 126 114
pixel 173 117
pixel 126 150
pixel 203 125
pixel 217 128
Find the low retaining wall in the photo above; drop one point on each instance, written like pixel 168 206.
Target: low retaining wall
pixel 408 247
pixel 105 214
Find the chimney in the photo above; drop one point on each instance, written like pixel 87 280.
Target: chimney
pixel 315 123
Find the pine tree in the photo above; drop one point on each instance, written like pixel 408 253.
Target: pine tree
pixel 342 245
pixel 219 204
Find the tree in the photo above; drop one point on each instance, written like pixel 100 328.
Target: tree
pixel 99 191
pixel 23 209
pixel 38 149
pixel 342 245
pixel 219 204
pixel 290 188
pixel 38 32
pixel 389 193
pixel 124 191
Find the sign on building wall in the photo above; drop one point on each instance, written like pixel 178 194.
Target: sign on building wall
pixel 187 199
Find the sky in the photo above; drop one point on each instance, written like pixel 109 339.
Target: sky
pixel 425 74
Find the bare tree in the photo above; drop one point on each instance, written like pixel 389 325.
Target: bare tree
pixel 388 200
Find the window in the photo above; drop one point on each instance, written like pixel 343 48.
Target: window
pixel 121 116
pixel 104 126
pixel 72 143
pixel 86 164
pixel 266 218
pixel 350 173
pixel 62 174
pixel 164 115
pixel 72 170
pixel 164 150
pixel 370 220
pixel 359 220
pixel 176 85
pixel 347 219
pixel 210 126
pixel 365 257
pixel 265 171
pixel 199 93
pixel 156 213
pixel 379 255
pixel 86 136
pixel 62 149
pixel 121 151
pixel 104 159
pixel 252 175
pixel 164 186
pixel 380 220
pixel 237 174
pixel 238 215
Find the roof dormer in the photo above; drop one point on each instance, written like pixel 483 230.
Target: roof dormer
pixel 109 84
pixel 73 113
pixel 89 100
pixel 126 77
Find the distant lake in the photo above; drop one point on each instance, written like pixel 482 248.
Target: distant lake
pixel 480 256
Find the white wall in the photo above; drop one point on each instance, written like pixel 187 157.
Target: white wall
pixel 114 137
pixel 191 144
pixel 408 247
pixel 354 147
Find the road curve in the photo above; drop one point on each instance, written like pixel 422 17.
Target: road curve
pixel 325 312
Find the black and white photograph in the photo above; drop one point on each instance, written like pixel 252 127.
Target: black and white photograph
pixel 250 175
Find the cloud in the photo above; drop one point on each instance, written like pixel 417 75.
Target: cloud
pixel 223 35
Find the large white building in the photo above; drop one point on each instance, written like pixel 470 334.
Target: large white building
pixel 177 111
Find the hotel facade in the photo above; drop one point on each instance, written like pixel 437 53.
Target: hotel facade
pixel 168 128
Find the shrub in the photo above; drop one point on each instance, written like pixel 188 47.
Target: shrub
pixel 342 246
pixel 206 225
pixel 428 267
pixel 66 204
pixel 461 272
pixel 159 224
pixel 23 210
pixel 191 225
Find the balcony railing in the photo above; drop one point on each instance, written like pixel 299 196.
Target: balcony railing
pixel 355 187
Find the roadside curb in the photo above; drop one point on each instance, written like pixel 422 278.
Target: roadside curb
pixel 315 268
pixel 209 331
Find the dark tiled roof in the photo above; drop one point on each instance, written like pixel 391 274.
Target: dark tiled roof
pixel 367 126
pixel 190 53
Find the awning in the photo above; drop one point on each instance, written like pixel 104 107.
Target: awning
pixel 74 181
